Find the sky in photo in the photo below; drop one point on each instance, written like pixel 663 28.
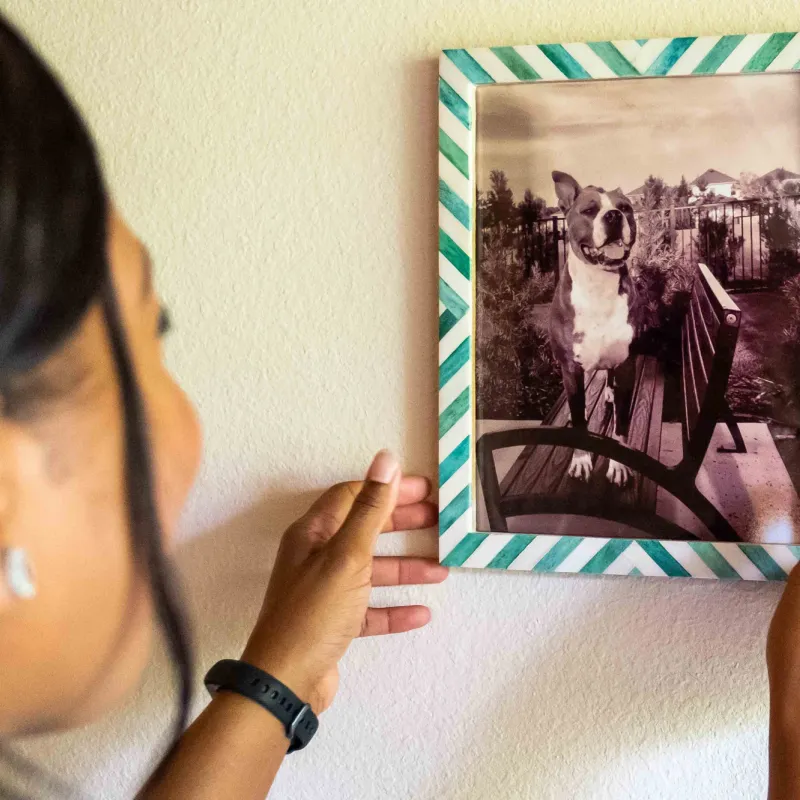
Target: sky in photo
pixel 616 133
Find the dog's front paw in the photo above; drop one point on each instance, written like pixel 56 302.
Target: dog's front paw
pixel 617 473
pixel 581 466
pixel 608 395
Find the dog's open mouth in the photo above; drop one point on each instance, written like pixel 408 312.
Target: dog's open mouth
pixel 610 254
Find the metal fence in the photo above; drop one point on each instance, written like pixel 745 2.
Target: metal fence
pixel 747 244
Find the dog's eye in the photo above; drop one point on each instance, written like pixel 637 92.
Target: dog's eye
pixel 590 210
pixel 625 208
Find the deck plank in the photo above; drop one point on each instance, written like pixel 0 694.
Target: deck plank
pixel 542 470
pixel 535 458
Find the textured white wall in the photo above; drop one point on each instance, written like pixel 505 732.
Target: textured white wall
pixel 280 159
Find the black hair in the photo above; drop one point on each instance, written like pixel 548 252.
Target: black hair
pixel 53 238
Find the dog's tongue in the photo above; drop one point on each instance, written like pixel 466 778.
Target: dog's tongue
pixel 614 251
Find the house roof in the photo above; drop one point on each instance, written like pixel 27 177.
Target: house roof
pixel 713 176
pixel 780 174
pixel 638 190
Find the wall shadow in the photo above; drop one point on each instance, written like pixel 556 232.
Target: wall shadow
pixel 418 237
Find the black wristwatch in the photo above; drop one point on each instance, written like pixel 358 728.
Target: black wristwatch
pixel 297 718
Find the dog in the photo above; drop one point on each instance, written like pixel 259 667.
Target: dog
pixel 593 314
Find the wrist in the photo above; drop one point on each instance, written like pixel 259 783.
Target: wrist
pixel 284 667
pixel 270 693
pixel 240 712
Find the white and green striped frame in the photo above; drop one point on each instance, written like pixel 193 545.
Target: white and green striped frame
pixel 461 71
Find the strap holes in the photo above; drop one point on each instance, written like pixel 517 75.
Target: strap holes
pixel 274 695
pixel 289 707
pixel 254 682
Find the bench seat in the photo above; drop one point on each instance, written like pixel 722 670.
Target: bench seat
pixel 541 470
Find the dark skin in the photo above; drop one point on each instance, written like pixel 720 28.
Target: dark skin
pixel 783 666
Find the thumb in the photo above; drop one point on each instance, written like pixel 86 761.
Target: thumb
pixel 372 506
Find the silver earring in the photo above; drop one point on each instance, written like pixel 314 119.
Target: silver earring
pixel 17 573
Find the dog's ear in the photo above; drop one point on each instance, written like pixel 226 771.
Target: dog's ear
pixel 567 189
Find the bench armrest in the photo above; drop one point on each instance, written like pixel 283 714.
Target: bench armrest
pixel 678 481
pixel 559 436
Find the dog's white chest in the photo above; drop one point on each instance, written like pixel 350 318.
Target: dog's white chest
pixel 602 334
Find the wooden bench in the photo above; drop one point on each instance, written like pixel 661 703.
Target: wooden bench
pixel 537 482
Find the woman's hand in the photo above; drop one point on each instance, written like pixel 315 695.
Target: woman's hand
pixel 317 600
pixel 783 665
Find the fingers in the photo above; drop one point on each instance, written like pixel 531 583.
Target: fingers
pixel 413 489
pixel 400 619
pixel 400 571
pixel 372 507
pixel 412 518
pixel 327 514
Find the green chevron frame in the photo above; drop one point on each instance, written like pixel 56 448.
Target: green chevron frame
pixel 461 71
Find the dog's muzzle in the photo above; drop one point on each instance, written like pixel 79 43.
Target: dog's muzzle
pixel 612 254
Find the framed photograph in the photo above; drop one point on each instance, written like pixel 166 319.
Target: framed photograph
pixel 619 307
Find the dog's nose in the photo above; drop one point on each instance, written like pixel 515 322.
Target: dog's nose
pixel 614 216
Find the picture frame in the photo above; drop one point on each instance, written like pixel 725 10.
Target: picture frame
pixel 463 74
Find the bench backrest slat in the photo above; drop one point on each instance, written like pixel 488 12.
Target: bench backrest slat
pixel 703 336
pixel 708 341
pixel 692 392
pixel 706 316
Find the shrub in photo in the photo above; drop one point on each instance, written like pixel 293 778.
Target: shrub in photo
pixel 663 280
pixel 780 233
pixel 516 374
pixel 790 363
pixel 717 247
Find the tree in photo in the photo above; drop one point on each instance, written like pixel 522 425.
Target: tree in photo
pixel 655 193
pixel 678 199
pixel 682 192
pixel 791 187
pixel 532 244
pixel 484 221
pixel 751 187
pixel 501 208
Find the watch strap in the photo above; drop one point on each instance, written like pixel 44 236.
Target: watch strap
pixel 298 720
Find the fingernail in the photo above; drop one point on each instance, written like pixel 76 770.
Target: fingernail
pixel 384 467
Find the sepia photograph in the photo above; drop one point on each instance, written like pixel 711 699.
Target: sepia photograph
pixel 637 350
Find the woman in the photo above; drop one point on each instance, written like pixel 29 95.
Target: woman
pixel 98 449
